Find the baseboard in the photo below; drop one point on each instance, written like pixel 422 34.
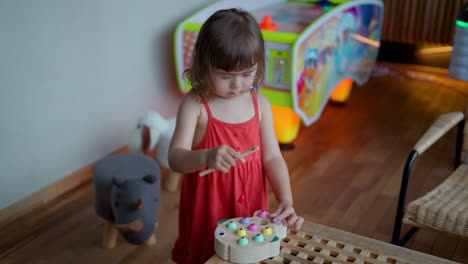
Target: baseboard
pixel 49 193
pixel 439 76
pixel 422 68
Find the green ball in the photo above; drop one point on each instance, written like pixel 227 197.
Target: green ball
pixel 231 225
pixel 259 239
pixel 243 241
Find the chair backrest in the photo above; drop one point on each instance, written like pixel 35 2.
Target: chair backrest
pixel 440 126
pixel 464 150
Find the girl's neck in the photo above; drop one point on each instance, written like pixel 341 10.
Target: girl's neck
pixel 240 97
pixel 233 110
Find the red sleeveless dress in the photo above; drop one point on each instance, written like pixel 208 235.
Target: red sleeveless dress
pixel 206 200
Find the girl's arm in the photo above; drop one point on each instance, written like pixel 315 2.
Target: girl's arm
pixel 276 169
pixel 182 158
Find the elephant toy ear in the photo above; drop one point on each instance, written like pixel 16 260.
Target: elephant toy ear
pixel 149 178
pixel 117 182
pixel 138 204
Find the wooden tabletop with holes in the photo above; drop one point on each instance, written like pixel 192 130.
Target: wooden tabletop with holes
pixel 315 243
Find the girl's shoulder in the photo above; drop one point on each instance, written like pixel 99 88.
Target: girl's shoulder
pixel 263 103
pixel 191 99
pixel 190 104
pixel 262 99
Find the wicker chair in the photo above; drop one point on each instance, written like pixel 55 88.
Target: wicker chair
pixel 445 208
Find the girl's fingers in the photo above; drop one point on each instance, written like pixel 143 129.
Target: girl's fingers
pixel 231 156
pixel 283 214
pixel 223 166
pixel 297 225
pixel 273 215
pixel 229 160
pixel 236 155
pixel 292 219
pixel 288 214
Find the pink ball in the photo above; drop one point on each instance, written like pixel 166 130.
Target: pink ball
pixel 263 214
pixel 253 227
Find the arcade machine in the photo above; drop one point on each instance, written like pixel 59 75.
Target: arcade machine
pixel 315 49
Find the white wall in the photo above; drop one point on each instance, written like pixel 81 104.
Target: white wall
pixel 74 77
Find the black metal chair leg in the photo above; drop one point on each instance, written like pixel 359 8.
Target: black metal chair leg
pixel 402 197
pixel 458 147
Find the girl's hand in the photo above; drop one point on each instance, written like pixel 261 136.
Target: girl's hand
pixel 286 212
pixel 222 158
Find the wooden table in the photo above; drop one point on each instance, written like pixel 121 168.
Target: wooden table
pixel 316 243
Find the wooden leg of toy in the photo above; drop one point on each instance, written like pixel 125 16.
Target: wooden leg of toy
pixel 109 239
pixel 342 91
pixel 151 241
pixel 287 124
pixel 173 180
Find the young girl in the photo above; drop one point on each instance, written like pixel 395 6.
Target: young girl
pixel 221 117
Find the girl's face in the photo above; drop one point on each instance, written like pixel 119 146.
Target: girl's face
pixel 231 84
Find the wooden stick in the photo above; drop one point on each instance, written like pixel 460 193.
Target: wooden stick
pixel 109 238
pixel 248 152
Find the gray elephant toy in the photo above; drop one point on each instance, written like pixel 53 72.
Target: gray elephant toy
pixel 127 195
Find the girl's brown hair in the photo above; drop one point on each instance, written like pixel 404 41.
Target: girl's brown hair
pixel 230 40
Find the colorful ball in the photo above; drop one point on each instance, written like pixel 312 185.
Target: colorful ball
pixel 278 222
pixel 245 221
pixel 243 241
pixel 267 231
pixel 259 238
pixel 253 227
pixel 231 225
pixel 241 232
pixel 263 214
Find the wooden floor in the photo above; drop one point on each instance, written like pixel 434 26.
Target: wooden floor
pixel 345 170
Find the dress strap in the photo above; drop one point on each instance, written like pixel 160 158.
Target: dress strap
pixel 207 107
pixel 255 100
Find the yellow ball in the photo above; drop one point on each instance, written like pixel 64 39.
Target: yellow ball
pixel 267 231
pixel 241 232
